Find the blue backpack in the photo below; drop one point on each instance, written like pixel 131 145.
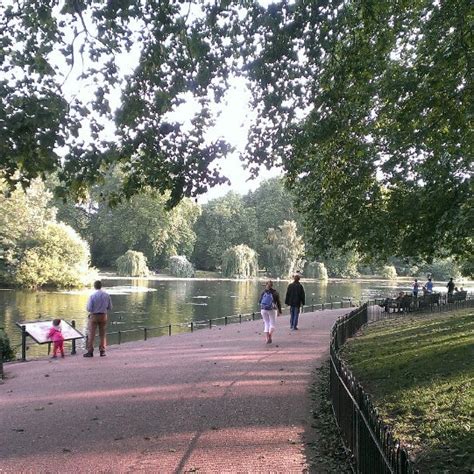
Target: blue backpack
pixel 267 300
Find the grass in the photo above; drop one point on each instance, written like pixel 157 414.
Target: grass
pixel 419 371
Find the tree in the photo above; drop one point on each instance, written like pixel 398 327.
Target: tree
pixel 316 270
pixel 240 261
pixel 141 223
pixel 343 265
pixel 273 204
pixel 132 264
pixel 285 250
pixel 181 267
pixel 386 136
pixel 224 222
pixel 44 45
pixel 55 257
pixel 366 104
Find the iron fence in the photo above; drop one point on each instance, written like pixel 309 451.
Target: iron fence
pixel 372 444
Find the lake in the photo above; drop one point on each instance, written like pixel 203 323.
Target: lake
pixel 160 302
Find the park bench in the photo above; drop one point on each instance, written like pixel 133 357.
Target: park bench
pixel 459 296
pixel 398 304
pixel 428 299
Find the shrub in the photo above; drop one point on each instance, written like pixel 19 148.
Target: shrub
pixel 181 267
pixel 56 257
pixel 316 270
pixel 239 261
pixel 5 348
pixel 389 272
pixel 133 264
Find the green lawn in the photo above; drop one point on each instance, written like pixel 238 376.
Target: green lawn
pixel 419 371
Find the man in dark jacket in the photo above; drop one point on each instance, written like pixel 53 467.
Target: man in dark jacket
pixel 295 298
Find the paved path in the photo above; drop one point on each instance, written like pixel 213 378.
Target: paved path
pixel 217 400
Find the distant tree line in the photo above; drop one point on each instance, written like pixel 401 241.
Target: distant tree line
pixel 47 242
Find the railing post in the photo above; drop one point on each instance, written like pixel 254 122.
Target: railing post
pixel 145 334
pixel 73 342
pixel 210 324
pixel 253 316
pixel 169 330
pixel 1 362
pixel 192 326
pixel 120 337
pixel 225 320
pixel 240 319
pixel 23 343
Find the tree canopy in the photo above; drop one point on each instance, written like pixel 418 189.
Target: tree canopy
pixel 367 105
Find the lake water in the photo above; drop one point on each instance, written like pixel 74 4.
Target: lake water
pixel 155 303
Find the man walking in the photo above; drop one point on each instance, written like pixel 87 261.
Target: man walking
pixel 98 305
pixel 295 298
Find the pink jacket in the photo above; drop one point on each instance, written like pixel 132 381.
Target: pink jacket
pixel 55 334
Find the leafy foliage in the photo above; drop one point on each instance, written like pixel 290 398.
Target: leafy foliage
pixel 386 136
pixel 285 250
pixel 141 223
pixel 132 264
pixel 389 272
pixel 6 350
pixel 366 104
pixel 224 223
pixel 343 265
pixel 316 270
pixel 55 257
pixel 240 261
pixel 35 250
pixel 181 267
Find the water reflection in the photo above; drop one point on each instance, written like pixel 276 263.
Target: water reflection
pixel 156 303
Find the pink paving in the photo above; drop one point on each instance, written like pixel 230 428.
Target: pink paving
pixel 217 400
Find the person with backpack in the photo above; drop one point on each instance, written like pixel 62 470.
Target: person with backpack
pixel 269 306
pixel 295 299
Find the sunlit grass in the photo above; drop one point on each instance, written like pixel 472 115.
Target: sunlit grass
pixel 419 371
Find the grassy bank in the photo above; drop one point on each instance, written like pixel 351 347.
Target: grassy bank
pixel 420 373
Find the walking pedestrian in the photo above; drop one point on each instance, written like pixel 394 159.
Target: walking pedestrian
pixel 450 286
pixel 270 305
pixel 55 334
pixel 295 299
pixel 98 305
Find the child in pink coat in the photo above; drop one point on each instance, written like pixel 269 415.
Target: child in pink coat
pixel 57 337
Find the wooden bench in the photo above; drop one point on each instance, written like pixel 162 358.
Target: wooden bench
pixel 428 299
pixel 459 296
pixel 398 304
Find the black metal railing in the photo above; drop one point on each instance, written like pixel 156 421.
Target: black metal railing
pixel 371 442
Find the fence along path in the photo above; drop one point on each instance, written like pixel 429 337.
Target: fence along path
pixel 216 400
pixel 371 442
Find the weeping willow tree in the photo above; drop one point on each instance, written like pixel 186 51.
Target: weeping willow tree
pixel 132 264
pixel 240 261
pixel 284 250
pixel 316 270
pixel 181 267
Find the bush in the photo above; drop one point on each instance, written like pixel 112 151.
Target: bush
pixel 389 272
pixel 316 270
pixel 239 261
pixel 133 264
pixel 181 267
pixel 56 257
pixel 6 350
